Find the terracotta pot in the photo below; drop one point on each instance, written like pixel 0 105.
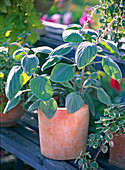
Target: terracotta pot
pixel 65 135
pixel 14 114
pixel 117 153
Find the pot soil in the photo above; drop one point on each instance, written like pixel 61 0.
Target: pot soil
pixel 117 153
pixel 65 135
pixel 9 119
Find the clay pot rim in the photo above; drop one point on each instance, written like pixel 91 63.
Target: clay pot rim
pixel 64 108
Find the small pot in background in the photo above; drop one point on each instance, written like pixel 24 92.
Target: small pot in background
pixel 117 153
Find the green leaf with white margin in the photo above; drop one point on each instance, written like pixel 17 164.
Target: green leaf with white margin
pixel 86 83
pixel 73 102
pixel 63 49
pixel 43 49
pixel 110 46
pixel 67 84
pixel 94 165
pixel 72 36
pixel 74 27
pixel 62 72
pixel 103 96
pixel 89 34
pixel 111 68
pixel 105 149
pixel 14 82
pixel 34 106
pixel 41 88
pixel 12 103
pixel 29 64
pixel 51 62
pixel 19 54
pixel 49 108
pixel 85 54
pixel 89 101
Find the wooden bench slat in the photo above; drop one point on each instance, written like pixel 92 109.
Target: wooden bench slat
pixel 28 151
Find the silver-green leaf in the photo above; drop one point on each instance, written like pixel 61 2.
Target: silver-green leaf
pixel 34 106
pixel 14 82
pixel 72 36
pixel 62 72
pixel 110 46
pixel 103 96
pixel 85 54
pixel 73 102
pixel 29 64
pixel 111 68
pixel 51 62
pixel 63 49
pixel 41 88
pixel 49 108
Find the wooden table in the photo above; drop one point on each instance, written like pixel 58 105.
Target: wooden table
pixel 22 141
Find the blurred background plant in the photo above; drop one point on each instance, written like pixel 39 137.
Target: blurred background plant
pixel 16 17
pixel 7 62
pixel 112 20
pixel 114 89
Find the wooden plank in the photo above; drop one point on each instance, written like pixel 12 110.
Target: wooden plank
pixel 28 151
pixel 103 163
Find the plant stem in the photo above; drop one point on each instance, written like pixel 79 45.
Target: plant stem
pixel 82 79
pixel 19 45
pixel 97 154
pixel 68 59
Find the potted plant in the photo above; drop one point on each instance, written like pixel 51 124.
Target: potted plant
pixel 110 131
pixel 66 132
pixel 6 63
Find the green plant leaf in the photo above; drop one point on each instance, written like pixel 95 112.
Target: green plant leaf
pixel 86 83
pixel 123 57
pixel 29 64
pixel 74 27
pixel 89 34
pixel 72 36
pixel 73 102
pixel 12 103
pixel 34 106
pixel 41 88
pixel 89 101
pixel 43 49
pixel 51 62
pixel 94 165
pixel 103 96
pixel 49 108
pixel 110 46
pixel 67 84
pixel 111 68
pixel 111 143
pixel 63 49
pixel 85 54
pixel 94 75
pixel 14 82
pixel 19 54
pixel 105 149
pixel 62 72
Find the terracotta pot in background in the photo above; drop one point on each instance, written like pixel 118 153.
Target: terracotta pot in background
pixel 65 135
pixel 9 119
pixel 117 153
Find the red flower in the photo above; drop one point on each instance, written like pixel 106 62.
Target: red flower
pixel 115 84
